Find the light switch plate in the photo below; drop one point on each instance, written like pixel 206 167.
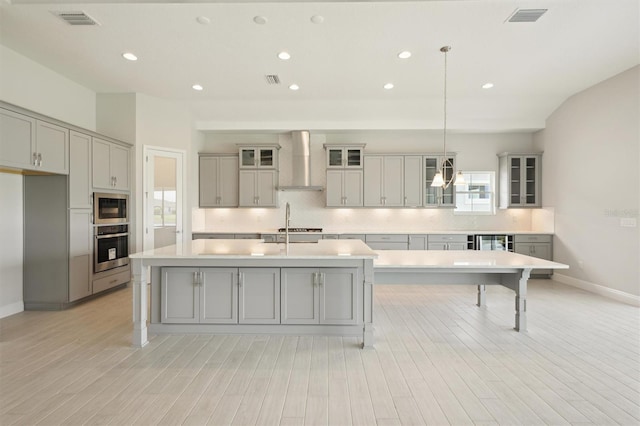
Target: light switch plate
pixel 628 222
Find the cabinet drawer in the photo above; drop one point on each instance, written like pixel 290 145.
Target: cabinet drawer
pixel 247 236
pixel 352 237
pixel 207 236
pixel 447 238
pixel 387 245
pixel 526 238
pixel 387 238
pixel 111 281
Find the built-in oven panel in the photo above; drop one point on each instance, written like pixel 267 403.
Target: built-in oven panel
pixel 110 208
pixel 111 248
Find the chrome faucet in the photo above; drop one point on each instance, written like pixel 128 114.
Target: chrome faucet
pixel 287 219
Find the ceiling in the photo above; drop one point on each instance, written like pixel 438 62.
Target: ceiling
pixel 340 64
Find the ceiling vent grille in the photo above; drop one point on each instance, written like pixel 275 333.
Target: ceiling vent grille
pixel 526 15
pixel 272 79
pixel 76 18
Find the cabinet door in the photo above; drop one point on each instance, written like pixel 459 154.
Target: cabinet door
pixel 515 181
pixel 456 246
pixel 219 296
pixel 335 157
pixel 352 188
pixel 259 296
pixel 79 170
pixel 247 190
pixel 431 165
pixel 17 140
pixel 208 169
pixel 300 301
pixel 436 246
pixel 100 168
pixel 335 179
pixel 120 167
pixel 267 157
pixel 373 181
pixel 52 146
pixel 228 181
pixel 531 181
pixel 417 242
pixel 267 182
pixel 393 181
pixel 180 294
pixel 80 254
pixel 412 181
pixel 353 157
pixel 248 157
pixel 338 296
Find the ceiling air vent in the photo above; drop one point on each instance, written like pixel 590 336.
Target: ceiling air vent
pixel 526 15
pixel 76 18
pixel 272 79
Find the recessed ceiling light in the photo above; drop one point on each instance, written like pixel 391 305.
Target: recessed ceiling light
pixel 405 54
pixel 260 20
pixel 317 19
pixel 129 56
pixel 197 87
pixel 487 85
pixel 204 20
pixel 388 86
pixel 284 56
pixel 294 87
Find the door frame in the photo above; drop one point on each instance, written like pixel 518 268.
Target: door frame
pixel 181 191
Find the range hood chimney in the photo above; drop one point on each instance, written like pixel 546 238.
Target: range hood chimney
pixel 300 163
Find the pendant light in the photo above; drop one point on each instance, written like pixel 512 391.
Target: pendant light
pixel 439 178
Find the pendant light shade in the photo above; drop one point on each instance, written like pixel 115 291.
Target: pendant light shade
pixel 437 179
pixel 459 179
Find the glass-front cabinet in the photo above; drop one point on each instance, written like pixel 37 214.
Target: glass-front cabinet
pixel 438 196
pixel 263 157
pixel 344 157
pixel 519 180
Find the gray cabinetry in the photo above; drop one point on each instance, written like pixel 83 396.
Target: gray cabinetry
pixel 418 242
pixel 258 188
pixel 259 296
pixel 80 251
pixel 519 180
pixel 383 181
pixel 79 170
pixel 448 242
pixel 199 295
pixel 437 196
pixel 210 236
pixel 218 183
pixel 319 296
pixel 258 156
pixel 387 241
pixel 31 144
pixel 412 181
pixel 344 188
pixel 344 156
pixel 110 165
pixel 538 245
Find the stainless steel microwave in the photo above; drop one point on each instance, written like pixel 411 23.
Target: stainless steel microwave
pixel 110 208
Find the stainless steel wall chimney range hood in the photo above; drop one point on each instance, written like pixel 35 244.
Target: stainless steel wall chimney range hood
pixel 300 163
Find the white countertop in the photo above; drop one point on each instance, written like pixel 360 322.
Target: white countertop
pixel 334 232
pixel 459 259
pixel 252 249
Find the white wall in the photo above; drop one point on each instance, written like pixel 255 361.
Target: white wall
pixel 476 152
pixel 591 178
pixel 11 226
pixel 29 85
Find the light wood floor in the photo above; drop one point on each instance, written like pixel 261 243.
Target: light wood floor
pixel 438 360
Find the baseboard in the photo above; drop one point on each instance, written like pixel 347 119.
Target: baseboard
pixel 11 309
pixel 611 293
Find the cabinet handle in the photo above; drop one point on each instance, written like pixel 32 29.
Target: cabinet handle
pixel 35 159
pixel 321 274
pixel 405 201
pixel 218 199
pixel 240 279
pixel 195 279
pixel 315 279
pixel 39 159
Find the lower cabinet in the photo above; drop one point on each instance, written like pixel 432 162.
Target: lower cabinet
pixel 220 295
pixel 538 245
pixel 319 296
pixel 448 242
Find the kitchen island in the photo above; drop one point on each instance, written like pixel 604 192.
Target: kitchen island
pixel 249 286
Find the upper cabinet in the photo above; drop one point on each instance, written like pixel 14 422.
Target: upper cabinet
pixel 31 144
pixel 79 170
pixel 218 180
pixel 259 156
pixel 384 181
pixel 344 156
pixel 519 180
pixel 258 188
pixel 437 196
pixel 110 165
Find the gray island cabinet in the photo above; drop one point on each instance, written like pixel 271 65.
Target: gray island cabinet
pixel 248 286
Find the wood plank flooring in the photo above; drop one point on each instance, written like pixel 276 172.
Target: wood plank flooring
pixel 438 360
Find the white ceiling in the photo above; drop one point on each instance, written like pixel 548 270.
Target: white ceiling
pixel 340 65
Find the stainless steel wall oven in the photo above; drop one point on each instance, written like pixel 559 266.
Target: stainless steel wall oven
pixel 111 248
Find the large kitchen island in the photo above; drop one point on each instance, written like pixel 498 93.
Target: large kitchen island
pixel 249 286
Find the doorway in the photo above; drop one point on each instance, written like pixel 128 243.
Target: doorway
pixel 163 197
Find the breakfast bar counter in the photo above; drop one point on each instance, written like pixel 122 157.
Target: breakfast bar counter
pixel 249 286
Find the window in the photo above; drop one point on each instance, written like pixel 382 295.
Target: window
pixel 164 207
pixel 477 196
